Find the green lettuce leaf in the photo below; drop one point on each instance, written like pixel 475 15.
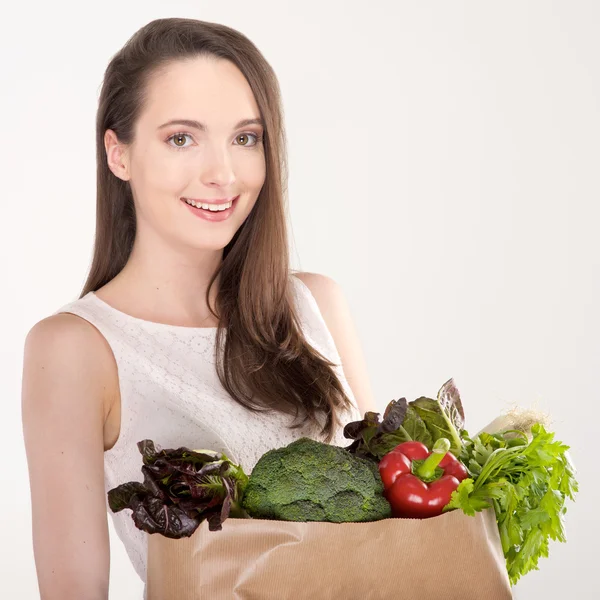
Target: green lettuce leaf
pixel 423 420
pixel 443 417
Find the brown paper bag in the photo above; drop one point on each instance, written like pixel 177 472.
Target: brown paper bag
pixel 452 556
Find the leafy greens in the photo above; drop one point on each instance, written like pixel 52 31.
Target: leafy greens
pixel 423 420
pixel 522 473
pixel 527 483
pixel 181 488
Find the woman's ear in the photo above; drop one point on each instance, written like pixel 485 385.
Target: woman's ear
pixel 117 155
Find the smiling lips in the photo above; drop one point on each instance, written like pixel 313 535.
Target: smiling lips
pixel 211 207
pixel 209 201
pixel 209 211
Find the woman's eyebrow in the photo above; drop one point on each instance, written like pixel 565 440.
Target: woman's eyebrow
pixel 202 127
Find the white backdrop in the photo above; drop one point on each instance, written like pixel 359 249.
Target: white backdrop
pixel 443 169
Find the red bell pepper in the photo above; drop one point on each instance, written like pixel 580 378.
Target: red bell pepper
pixel 418 483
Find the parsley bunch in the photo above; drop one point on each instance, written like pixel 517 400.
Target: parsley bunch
pixel 527 480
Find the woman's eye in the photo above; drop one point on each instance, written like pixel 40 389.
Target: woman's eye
pixel 256 136
pixel 178 136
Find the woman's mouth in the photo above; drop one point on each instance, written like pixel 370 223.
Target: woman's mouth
pixel 212 212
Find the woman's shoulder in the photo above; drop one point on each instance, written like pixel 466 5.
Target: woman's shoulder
pixel 321 290
pixel 315 283
pixel 66 331
pixel 71 347
pixel 315 293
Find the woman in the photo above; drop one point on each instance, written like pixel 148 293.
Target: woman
pixel 190 330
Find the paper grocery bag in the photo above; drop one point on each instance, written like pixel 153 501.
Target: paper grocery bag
pixel 452 556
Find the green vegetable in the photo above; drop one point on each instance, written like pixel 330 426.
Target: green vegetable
pixel 423 420
pixel 514 465
pixel 527 483
pixel 309 480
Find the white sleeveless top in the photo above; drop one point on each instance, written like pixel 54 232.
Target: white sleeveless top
pixel 171 394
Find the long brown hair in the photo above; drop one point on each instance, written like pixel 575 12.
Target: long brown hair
pixel 265 352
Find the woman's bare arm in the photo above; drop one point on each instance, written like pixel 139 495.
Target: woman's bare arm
pixel 64 401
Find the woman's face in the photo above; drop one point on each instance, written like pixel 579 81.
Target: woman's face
pixel 218 159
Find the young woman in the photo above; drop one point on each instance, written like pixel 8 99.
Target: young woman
pixel 191 329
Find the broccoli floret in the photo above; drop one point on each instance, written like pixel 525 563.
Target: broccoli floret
pixel 309 480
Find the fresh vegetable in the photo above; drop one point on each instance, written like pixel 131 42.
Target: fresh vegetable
pixel 514 465
pixel 308 480
pixel 527 483
pixel 423 420
pixel 516 421
pixel 418 483
pixel 303 481
pixel 181 488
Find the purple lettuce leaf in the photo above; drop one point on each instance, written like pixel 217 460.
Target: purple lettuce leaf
pixel 181 488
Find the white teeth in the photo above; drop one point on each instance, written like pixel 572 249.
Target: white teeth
pixel 211 207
